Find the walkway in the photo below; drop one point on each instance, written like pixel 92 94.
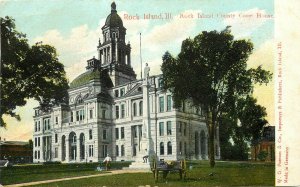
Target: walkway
pixel 112 172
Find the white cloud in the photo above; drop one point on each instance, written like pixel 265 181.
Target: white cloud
pixel 245 22
pixel 264 55
pixel 20 130
pixel 81 40
pixel 161 38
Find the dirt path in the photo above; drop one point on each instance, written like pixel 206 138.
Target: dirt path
pixel 113 172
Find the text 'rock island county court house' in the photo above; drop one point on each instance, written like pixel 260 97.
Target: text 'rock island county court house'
pixel 111 112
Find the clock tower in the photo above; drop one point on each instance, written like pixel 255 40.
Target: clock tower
pixel 113 52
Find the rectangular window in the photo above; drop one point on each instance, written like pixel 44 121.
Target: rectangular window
pixel 134 131
pixel 90 134
pixel 180 148
pixel 160 83
pixel 35 142
pixel 122 92
pixel 56 152
pixel 116 93
pixel 49 124
pixel 104 150
pixel 56 138
pixel 104 134
pixel 81 115
pixel 91 150
pixel 169 103
pixel 56 120
pixel 134 150
pixel 71 117
pixel 117 150
pixel 39 126
pixel 169 128
pixel 103 114
pixel 122 150
pixel 180 126
pixel 161 104
pixel 39 141
pixel 35 126
pixel 117 133
pixel 161 128
pixel 184 130
pixel 122 111
pixel 117 112
pixel 91 114
pixel 122 133
pixel 45 124
pixel 77 115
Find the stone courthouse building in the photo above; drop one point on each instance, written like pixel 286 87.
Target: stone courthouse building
pixel 112 112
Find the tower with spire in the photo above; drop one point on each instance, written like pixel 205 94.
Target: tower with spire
pixel 113 52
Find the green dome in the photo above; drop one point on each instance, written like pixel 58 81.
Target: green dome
pixel 85 78
pixel 113 19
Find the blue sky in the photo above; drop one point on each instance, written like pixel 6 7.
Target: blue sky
pixel 74 27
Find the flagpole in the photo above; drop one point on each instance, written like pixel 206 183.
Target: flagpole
pixel 141 55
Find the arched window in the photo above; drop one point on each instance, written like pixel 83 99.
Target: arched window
pixel 141 107
pixel 162 148
pixel 169 148
pixel 134 109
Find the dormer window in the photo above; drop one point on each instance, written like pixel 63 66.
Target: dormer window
pixel 122 92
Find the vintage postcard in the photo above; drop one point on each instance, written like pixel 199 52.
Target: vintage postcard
pixel 204 89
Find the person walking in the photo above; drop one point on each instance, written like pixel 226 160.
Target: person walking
pixel 107 161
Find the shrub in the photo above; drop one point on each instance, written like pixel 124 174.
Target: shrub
pixel 262 155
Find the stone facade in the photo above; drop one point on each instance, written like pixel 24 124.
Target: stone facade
pixel 111 112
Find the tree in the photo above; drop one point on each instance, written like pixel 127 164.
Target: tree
pixel 211 70
pixel 248 130
pixel 28 72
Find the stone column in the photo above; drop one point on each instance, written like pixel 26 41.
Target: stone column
pixel 67 150
pixel 147 139
pixel 42 151
pixel 110 54
pixel 206 147
pixel 116 48
pixel 77 148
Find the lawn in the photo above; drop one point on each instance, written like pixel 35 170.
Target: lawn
pixel 30 173
pixel 224 174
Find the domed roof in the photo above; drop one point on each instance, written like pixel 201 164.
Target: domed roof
pixel 113 19
pixel 85 78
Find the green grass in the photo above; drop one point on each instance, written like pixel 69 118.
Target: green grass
pixel 224 174
pixel 30 173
